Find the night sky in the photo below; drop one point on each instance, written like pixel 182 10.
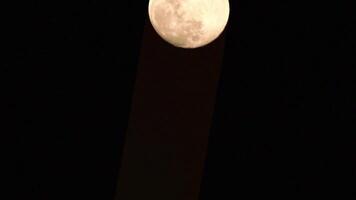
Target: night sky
pixel 275 106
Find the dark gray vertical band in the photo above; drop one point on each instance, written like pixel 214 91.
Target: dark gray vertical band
pixel 171 114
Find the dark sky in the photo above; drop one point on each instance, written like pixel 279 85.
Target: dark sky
pixel 284 111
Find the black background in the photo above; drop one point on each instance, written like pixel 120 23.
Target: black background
pixel 283 122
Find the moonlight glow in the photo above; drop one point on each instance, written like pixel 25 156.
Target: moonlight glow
pixel 189 23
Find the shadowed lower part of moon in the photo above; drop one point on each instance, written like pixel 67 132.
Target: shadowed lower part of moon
pixel 176 25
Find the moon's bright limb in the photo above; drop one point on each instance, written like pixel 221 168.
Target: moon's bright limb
pixel 189 23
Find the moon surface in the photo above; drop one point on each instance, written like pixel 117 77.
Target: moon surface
pixel 189 23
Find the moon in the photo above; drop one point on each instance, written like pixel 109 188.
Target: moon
pixel 189 23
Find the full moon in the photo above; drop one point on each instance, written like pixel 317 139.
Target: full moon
pixel 189 23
